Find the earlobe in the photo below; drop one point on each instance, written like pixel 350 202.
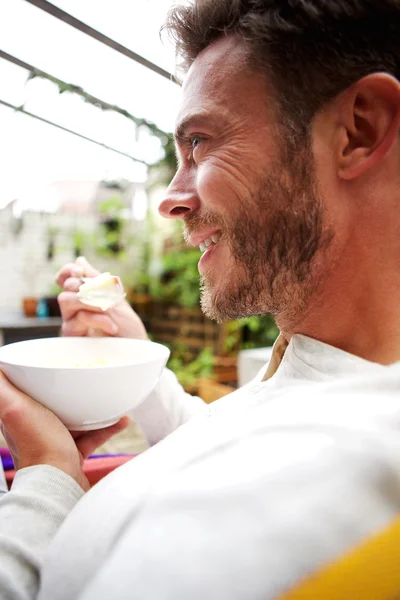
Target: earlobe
pixel 370 124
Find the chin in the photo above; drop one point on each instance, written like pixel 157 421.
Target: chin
pixel 211 301
pixel 221 305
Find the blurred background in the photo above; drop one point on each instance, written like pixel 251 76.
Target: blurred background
pixel 87 106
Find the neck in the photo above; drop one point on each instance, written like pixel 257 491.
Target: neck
pixel 358 307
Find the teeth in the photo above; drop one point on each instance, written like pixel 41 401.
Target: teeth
pixel 209 241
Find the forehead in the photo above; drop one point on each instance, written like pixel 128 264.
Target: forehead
pixel 220 83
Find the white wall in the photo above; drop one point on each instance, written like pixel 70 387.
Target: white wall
pixel 24 268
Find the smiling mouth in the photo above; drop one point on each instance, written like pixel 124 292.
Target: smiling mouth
pixel 212 241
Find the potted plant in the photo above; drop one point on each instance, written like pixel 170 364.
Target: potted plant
pixel 29 273
pixel 29 305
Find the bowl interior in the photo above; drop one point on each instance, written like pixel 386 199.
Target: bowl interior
pixel 81 353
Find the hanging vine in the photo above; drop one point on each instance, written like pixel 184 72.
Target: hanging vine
pixel 63 87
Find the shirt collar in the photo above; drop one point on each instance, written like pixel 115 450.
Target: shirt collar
pixel 278 352
pixel 331 361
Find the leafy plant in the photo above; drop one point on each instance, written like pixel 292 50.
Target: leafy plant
pixel 80 239
pixel 111 207
pixel 64 86
pixel 180 278
pixel 250 332
pixel 110 238
pixel 189 372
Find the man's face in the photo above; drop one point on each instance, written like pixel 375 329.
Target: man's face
pixel 240 189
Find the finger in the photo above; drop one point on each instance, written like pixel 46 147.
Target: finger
pixel 70 305
pixel 89 441
pixel 85 320
pixel 88 270
pixel 72 284
pixel 80 268
pixel 67 271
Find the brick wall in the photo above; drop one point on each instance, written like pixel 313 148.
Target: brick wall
pixel 24 267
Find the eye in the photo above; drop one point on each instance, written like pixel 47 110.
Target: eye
pixel 195 141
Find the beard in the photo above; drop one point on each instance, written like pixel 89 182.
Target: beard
pixel 276 245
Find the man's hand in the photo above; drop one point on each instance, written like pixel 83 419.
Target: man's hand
pixel 35 436
pixel 79 319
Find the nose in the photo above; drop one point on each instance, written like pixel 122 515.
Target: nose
pixel 180 198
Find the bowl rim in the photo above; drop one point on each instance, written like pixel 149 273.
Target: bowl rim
pixel 162 348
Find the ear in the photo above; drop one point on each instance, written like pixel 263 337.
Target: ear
pixel 370 123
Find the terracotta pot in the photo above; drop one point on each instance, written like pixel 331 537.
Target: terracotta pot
pixel 30 305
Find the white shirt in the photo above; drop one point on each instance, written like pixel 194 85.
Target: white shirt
pixel 245 498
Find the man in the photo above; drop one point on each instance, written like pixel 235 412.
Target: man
pixel 289 173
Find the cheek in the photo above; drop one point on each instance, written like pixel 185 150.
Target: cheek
pixel 213 187
pixel 220 185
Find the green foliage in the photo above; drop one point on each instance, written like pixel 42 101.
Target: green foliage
pixel 54 290
pixel 180 278
pixel 111 207
pixel 189 372
pixel 63 87
pixel 251 332
pixel 81 240
pixel 110 242
pixel 139 278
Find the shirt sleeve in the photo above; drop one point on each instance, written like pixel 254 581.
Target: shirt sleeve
pixel 30 514
pixel 167 407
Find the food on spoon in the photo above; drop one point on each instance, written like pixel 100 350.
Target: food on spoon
pixel 103 291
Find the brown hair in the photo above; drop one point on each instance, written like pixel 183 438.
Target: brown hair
pixel 311 49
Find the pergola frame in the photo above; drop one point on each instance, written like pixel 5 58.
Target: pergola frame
pixel 93 33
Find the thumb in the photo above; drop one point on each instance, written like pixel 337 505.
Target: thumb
pixel 34 430
pixel 88 441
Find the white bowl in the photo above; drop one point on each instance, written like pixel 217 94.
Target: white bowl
pixel 89 383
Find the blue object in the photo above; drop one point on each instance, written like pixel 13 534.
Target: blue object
pixel 42 310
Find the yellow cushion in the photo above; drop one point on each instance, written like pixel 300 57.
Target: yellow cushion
pixel 369 572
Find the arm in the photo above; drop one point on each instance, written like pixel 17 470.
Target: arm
pixel 168 406
pixel 49 482
pixel 30 514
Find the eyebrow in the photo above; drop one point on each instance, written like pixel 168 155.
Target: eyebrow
pixel 191 120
